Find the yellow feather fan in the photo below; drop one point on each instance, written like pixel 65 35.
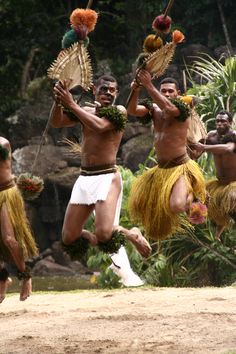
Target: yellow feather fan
pixel 74 65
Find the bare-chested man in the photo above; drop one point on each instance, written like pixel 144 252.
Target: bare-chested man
pixel 16 241
pixel 162 194
pixel 222 191
pixel 98 188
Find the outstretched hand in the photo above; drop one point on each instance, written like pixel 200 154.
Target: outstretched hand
pixel 198 147
pixel 62 94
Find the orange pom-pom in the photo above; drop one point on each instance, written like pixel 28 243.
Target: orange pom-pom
pixel 84 17
pixel 178 36
pixel 152 43
pixel 197 213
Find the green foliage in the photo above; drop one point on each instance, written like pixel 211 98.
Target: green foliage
pixel 118 36
pixel 77 250
pixel 35 87
pixel 113 245
pixel 98 260
pixel 183 108
pixel 218 89
pixel 192 259
pixel 114 115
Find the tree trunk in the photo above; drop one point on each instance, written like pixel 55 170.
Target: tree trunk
pixel 26 70
pixel 223 22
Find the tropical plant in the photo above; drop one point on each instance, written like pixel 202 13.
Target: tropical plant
pixel 217 88
pixel 194 258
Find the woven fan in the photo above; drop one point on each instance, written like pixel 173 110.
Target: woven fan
pixel 73 64
pixel 158 61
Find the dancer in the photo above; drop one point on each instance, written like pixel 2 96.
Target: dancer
pixel 16 241
pixel 222 189
pixel 99 186
pixel 162 194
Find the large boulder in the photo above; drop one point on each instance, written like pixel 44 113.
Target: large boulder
pixel 136 150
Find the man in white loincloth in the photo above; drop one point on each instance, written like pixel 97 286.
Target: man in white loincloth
pixel 99 187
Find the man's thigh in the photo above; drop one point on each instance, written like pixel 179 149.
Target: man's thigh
pixel 76 216
pixel 106 210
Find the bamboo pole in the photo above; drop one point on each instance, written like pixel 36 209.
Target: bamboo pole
pixel 90 2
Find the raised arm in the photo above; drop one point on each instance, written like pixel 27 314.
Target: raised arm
pixel 58 118
pixel 162 102
pixel 84 115
pixel 134 109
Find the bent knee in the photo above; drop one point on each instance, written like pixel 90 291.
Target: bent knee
pixel 178 206
pixel 68 237
pixel 103 234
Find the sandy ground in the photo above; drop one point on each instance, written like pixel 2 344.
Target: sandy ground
pixel 143 320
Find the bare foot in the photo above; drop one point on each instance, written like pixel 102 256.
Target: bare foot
pixel 135 236
pixel 3 288
pixel 26 288
pixel 90 236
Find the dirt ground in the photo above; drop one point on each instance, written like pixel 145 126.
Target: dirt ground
pixel 124 321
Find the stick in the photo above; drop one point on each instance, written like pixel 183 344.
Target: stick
pixel 184 82
pixel 40 145
pixel 142 66
pixel 90 2
pixel 168 8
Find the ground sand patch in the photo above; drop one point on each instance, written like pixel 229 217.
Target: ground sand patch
pixel 124 321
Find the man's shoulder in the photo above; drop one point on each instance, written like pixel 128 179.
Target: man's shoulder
pixel 90 109
pixel 121 108
pixel 4 142
pixel 211 134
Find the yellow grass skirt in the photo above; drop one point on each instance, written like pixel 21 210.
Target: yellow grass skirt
pixel 16 211
pixel 222 201
pixel 149 201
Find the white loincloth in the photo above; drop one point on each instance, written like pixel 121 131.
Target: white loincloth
pixel 89 190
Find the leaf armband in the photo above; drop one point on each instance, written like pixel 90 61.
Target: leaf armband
pixel 146 102
pixel 24 275
pixel 114 115
pixel 77 250
pixel 183 108
pixel 70 114
pixel 113 245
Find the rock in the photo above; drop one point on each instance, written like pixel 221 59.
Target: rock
pixel 133 129
pixel 46 162
pixel 136 151
pixel 47 268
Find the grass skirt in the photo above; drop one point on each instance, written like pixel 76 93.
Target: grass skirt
pixel 222 201
pixel 16 211
pixel 149 202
